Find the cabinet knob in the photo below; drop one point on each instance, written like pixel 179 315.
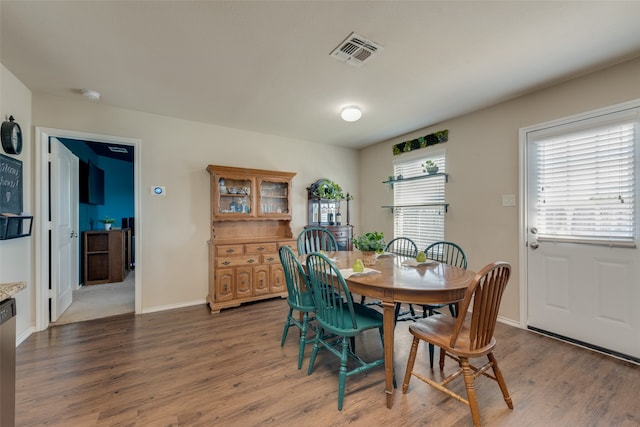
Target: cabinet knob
pixel 270 259
pixel 230 251
pixel 251 260
pixel 226 263
pixel 261 248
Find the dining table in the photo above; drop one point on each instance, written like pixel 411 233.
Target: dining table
pixel 400 279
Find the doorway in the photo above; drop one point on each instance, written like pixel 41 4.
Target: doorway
pixel 45 258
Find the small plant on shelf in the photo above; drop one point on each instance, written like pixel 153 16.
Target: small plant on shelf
pixel 329 190
pixel 430 167
pixel 107 221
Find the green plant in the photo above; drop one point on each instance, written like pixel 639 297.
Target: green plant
pixel 372 241
pixel 329 190
pixel 107 220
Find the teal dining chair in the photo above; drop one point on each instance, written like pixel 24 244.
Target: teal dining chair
pixel 339 320
pixel 315 239
pixel 300 299
pixel 403 246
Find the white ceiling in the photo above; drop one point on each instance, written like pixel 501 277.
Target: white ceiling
pixel 265 66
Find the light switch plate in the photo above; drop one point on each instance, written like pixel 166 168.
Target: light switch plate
pixel 158 190
pixel 508 200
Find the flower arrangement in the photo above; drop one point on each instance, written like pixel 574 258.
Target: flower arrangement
pixel 372 241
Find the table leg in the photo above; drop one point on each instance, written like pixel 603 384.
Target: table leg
pixel 388 313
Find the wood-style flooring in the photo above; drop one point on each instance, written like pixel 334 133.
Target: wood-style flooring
pixel 186 367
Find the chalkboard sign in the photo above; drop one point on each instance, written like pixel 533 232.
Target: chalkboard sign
pixel 10 185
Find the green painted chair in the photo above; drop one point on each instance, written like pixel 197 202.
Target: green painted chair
pixel 448 253
pixel 339 319
pixel 314 239
pixel 406 247
pixel 300 299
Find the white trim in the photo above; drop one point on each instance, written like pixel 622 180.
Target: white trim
pixel 42 224
pixel 523 284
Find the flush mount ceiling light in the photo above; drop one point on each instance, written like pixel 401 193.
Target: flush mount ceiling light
pixel 91 94
pixel 351 114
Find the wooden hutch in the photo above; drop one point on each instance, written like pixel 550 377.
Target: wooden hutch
pixel 250 221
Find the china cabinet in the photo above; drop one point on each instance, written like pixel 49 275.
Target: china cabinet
pixel 250 221
pixel 327 213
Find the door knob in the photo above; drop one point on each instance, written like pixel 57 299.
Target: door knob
pixel 533 245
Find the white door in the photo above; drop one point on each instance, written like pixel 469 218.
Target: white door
pixel 64 227
pixel 583 261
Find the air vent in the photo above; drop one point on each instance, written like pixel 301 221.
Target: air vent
pixel 355 50
pixel 117 149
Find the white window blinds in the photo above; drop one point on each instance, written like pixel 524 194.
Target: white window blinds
pixel 586 183
pixel 419 204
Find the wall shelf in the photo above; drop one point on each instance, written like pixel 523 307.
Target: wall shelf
pixel 414 178
pixel 445 205
pixel 14 226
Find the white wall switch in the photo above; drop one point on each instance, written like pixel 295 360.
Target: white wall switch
pixel 508 200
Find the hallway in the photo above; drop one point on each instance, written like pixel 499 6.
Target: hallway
pixel 98 301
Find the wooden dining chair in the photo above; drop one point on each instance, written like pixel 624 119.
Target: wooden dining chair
pixel 314 239
pixel 299 297
pixel 339 320
pixel 462 339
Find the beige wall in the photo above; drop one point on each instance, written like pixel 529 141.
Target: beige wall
pixel 16 255
pixel 172 231
pixel 482 160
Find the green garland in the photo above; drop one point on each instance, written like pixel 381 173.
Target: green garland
pixel 423 141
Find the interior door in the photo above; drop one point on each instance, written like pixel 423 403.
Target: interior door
pixel 581 288
pixel 64 228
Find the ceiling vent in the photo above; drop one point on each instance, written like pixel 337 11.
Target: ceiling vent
pixel 356 50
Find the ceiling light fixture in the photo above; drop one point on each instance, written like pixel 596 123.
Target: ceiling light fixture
pixel 91 94
pixel 351 114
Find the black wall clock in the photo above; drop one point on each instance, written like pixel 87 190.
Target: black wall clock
pixel 11 136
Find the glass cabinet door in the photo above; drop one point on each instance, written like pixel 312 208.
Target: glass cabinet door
pixel 234 195
pixel 274 198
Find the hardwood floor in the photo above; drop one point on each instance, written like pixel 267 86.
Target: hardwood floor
pixel 186 367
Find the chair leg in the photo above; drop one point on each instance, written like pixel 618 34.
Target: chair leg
pixel 452 310
pixel 362 298
pixel 410 362
pixel 471 391
pixel 286 327
pixel 314 352
pixel 342 378
pixel 432 350
pixel 498 374
pixel 303 339
pixel 442 353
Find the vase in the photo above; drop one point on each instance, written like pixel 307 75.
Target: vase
pixel 107 226
pixel 369 257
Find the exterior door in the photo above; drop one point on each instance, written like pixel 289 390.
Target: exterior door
pixel 583 261
pixel 64 228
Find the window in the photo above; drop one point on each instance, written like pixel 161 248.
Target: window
pixel 585 180
pixel 419 204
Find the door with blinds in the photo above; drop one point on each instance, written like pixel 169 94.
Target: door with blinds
pixel 583 263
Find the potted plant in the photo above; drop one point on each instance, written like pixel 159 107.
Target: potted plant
pixel 370 244
pixel 107 221
pixel 430 167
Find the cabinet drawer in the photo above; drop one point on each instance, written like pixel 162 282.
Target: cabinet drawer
pixel 233 261
pixel 272 258
pixel 260 248
pixel 338 234
pixel 222 250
